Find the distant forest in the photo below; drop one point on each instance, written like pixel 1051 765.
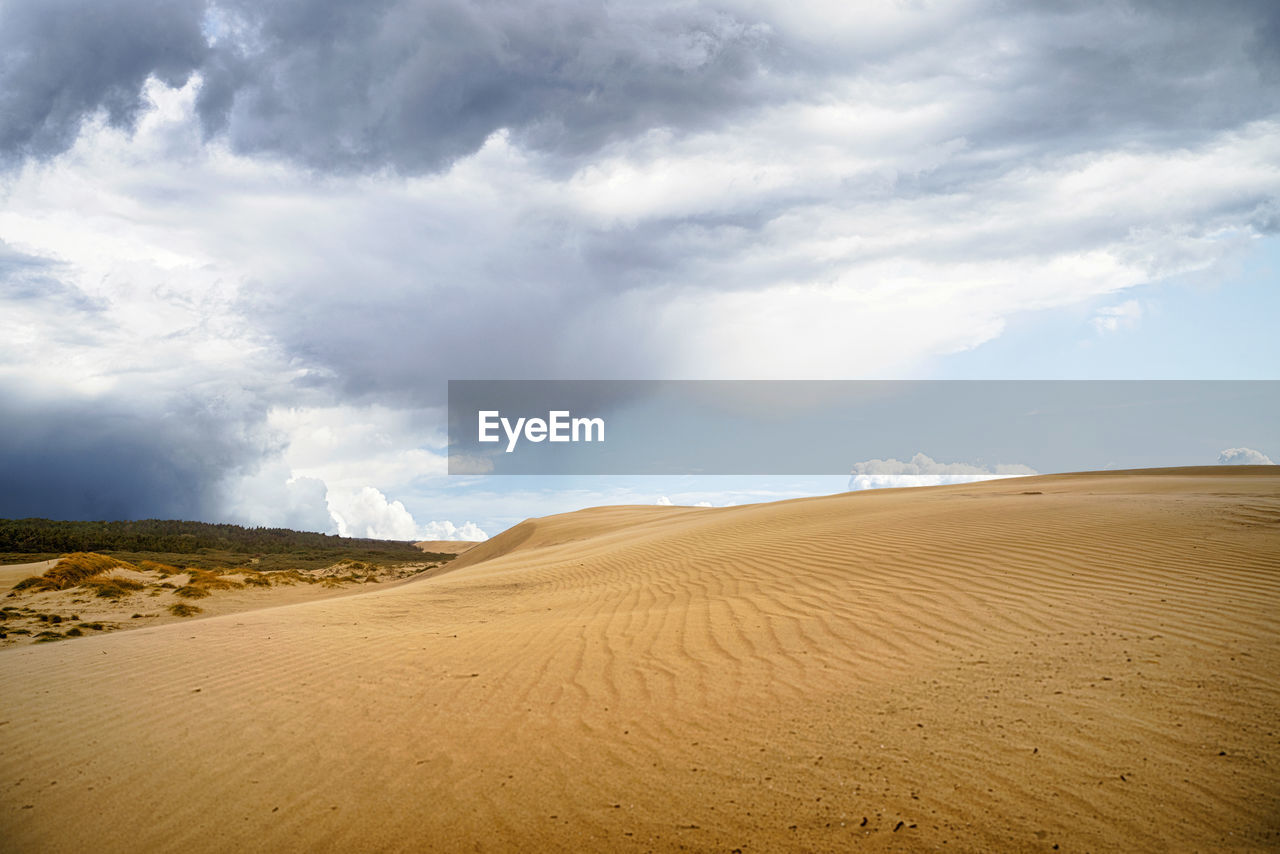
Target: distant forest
pixel 46 536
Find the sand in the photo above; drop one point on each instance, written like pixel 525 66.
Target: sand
pixel 30 614
pixel 445 547
pixel 1083 661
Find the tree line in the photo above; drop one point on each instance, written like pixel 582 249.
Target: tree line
pixel 177 537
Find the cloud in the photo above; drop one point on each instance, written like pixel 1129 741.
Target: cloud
pixel 1243 457
pixel 67 60
pixel 110 457
pixel 1112 318
pixel 275 497
pixel 921 464
pixel 368 513
pixel 665 501
pixel 450 531
pixel 418 85
pixel 228 212
pixel 922 470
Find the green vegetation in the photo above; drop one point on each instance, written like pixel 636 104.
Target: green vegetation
pixel 197 544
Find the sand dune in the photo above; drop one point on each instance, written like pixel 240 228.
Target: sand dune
pixel 31 615
pixel 445 547
pixel 1083 661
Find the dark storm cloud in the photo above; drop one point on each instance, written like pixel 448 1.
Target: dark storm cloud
pixel 417 85
pixel 117 458
pixel 135 451
pixel 341 85
pixel 63 60
pixel 1144 72
pixel 414 85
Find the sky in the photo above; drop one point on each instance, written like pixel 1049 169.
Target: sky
pixel 244 245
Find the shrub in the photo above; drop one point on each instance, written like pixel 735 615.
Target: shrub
pixel 182 609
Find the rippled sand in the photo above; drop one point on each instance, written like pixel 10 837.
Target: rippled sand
pixel 1088 661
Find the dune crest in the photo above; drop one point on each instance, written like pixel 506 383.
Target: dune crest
pixel 1089 661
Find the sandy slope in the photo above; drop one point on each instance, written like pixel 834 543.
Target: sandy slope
pixel 1087 661
pixel 445 547
pixel 27 612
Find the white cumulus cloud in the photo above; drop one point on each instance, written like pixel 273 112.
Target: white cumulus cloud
pixel 368 513
pixel 923 470
pixel 1243 457
pixel 1115 317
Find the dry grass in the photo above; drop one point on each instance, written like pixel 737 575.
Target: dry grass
pixel 182 609
pixel 113 587
pixel 163 569
pixel 210 579
pixel 73 570
pixel 192 591
pixel 290 576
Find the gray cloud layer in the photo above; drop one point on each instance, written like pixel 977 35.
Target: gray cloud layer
pixel 415 85
pixel 67 59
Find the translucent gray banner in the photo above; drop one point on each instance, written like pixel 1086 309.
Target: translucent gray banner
pixel 674 427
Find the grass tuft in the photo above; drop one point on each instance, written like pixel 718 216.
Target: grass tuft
pixel 74 569
pixel 211 580
pixel 113 587
pixel 182 609
pixel 164 569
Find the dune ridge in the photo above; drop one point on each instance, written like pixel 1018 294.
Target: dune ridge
pixel 1090 661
